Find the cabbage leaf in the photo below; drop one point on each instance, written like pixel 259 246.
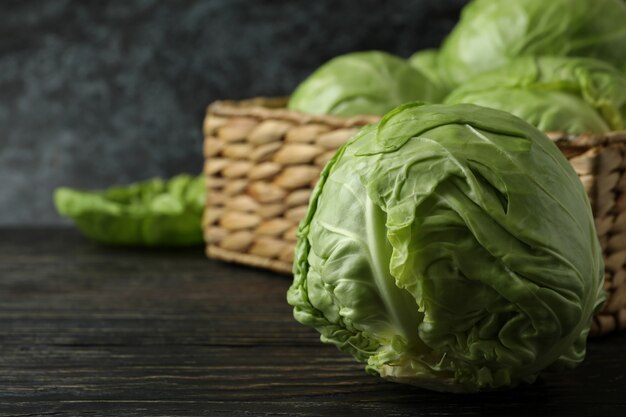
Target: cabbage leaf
pixel 148 213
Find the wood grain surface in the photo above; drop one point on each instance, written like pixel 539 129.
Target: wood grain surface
pixel 99 331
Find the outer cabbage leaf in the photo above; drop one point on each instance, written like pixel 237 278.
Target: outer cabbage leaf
pixel 450 247
pixel 362 83
pixel 599 84
pixel 147 213
pixel 549 111
pixel 492 32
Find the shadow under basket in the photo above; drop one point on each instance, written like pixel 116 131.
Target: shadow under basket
pixel 262 162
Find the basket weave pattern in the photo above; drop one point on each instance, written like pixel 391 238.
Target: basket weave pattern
pixel 262 162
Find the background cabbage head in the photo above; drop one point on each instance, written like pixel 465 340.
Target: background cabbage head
pixel 427 62
pixel 450 247
pixel 553 93
pixel 492 32
pixel 549 111
pixel 362 83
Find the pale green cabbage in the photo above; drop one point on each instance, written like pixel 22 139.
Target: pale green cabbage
pixel 492 32
pixel 553 93
pixel 427 62
pixel 370 82
pixel 148 213
pixel 549 111
pixel 450 247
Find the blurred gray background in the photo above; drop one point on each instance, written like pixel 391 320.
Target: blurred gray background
pixel 96 93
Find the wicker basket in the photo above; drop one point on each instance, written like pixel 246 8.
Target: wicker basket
pixel 262 161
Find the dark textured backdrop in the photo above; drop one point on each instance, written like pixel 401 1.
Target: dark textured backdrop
pixel 94 93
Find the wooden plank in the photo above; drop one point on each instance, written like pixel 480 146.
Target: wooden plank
pixel 100 331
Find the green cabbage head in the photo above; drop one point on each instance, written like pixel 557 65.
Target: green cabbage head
pixel 450 247
pixel 549 111
pixel 148 213
pixel 427 62
pixel 492 32
pixel 553 93
pixel 370 82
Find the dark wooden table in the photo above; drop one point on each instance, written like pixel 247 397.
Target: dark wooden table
pixel 98 331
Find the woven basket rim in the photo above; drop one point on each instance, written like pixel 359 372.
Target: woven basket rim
pixel 275 108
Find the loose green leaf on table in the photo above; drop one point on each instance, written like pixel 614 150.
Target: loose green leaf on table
pixel 148 213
